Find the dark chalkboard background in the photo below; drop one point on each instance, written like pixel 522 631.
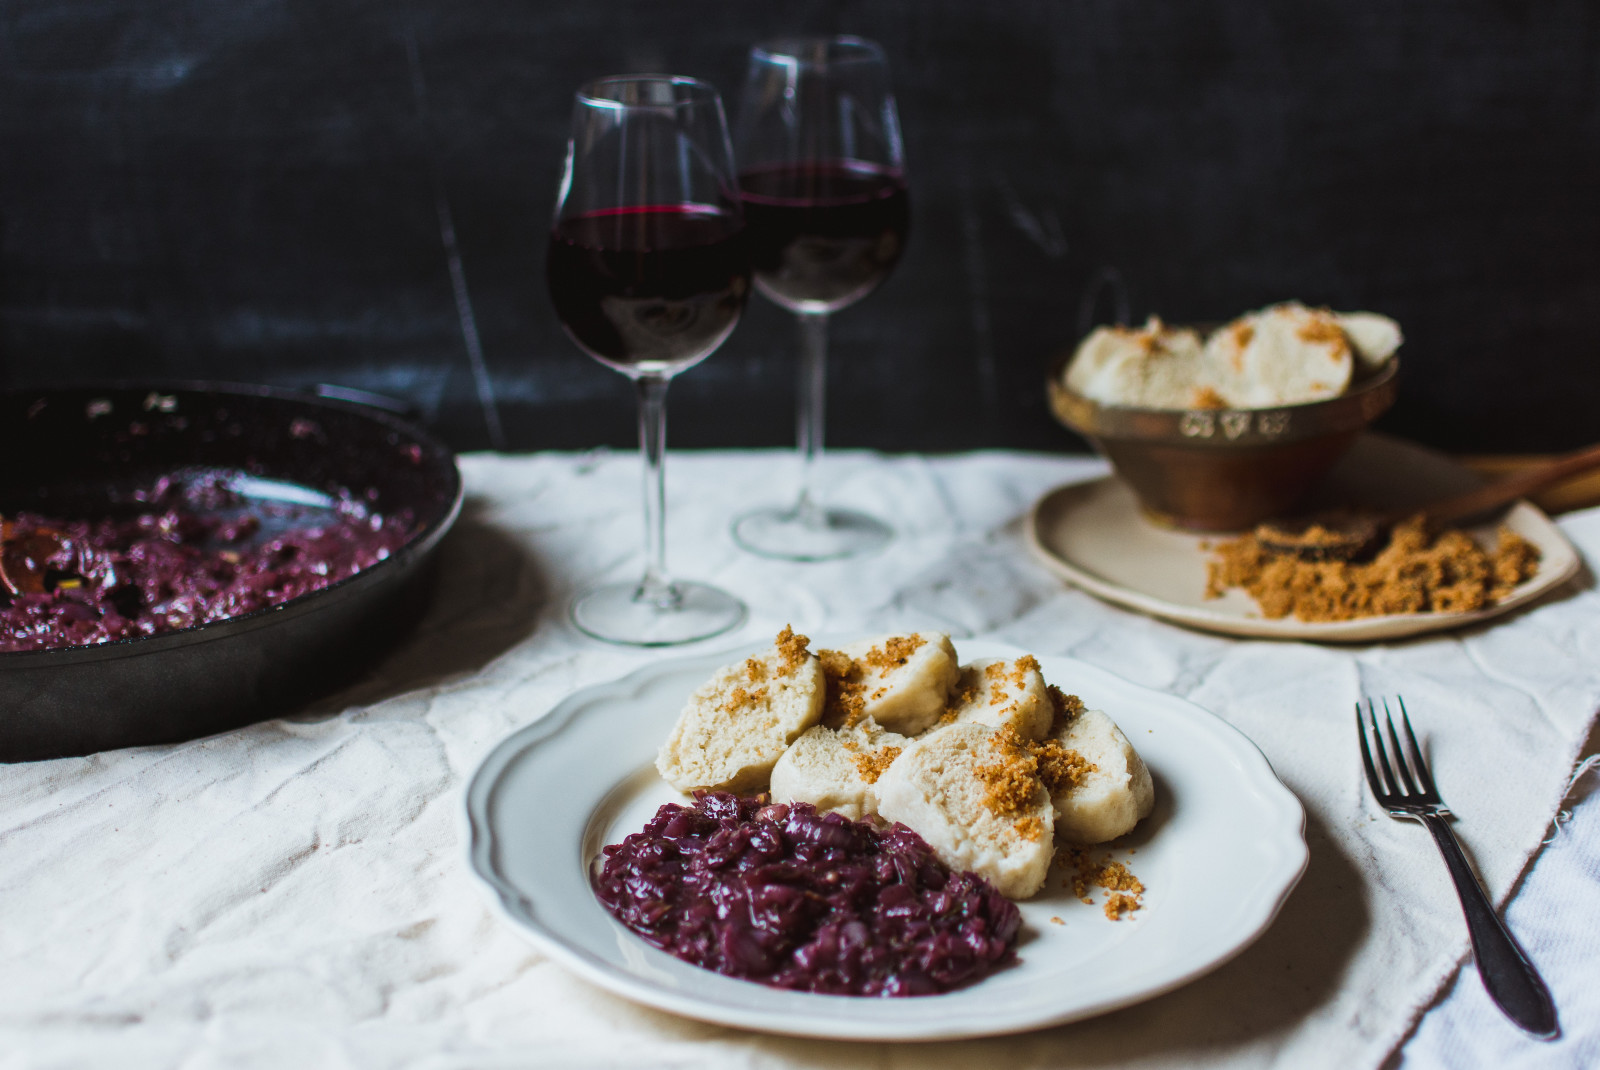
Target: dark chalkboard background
pixel 257 190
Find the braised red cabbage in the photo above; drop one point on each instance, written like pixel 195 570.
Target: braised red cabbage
pixel 193 551
pixel 786 896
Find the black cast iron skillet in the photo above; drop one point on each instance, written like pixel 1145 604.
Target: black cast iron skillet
pixel 67 452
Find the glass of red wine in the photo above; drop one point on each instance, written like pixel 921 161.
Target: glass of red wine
pixel 822 176
pixel 649 270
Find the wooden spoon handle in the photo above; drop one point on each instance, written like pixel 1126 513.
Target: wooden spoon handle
pixel 1518 485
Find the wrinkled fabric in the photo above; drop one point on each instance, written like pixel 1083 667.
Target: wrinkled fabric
pixel 1550 917
pixel 295 893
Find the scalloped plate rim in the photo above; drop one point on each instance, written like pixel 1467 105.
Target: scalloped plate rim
pixel 1259 905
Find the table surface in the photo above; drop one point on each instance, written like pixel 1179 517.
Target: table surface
pixel 296 892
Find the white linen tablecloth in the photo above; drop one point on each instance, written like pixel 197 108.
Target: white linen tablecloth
pixel 294 893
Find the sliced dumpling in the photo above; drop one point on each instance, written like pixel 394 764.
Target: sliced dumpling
pixel 737 725
pixel 997 692
pixel 1108 365
pixel 1287 354
pixel 1374 338
pixel 837 768
pixel 974 794
pixel 1098 783
pixel 901 681
pixel 1176 375
pixel 1153 366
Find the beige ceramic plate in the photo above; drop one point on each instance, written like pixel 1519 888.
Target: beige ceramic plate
pixel 1094 535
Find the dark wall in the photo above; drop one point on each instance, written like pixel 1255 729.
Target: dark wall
pixel 264 190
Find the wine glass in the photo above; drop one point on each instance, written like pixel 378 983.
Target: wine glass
pixel 821 172
pixel 649 271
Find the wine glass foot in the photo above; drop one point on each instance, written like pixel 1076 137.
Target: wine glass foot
pixel 615 613
pixel 823 535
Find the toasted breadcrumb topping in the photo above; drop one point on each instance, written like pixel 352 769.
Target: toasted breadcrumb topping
pixel 792 651
pixel 1056 921
pixel 836 663
pixel 1061 769
pixel 1515 559
pixel 995 673
pixel 1030 828
pixel 739 699
pixel 1126 889
pixel 1000 675
pixel 1011 782
pixel 893 653
pixel 1115 877
pixel 755 670
pixel 846 701
pixel 1320 328
pixel 846 704
pixel 1242 334
pixel 1206 397
pixel 874 765
pixel 1414 573
pixel 1065 709
pixel 1118 904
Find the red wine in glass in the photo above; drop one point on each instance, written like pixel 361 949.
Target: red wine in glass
pixel 824 234
pixel 649 269
pixel 822 183
pixel 649 288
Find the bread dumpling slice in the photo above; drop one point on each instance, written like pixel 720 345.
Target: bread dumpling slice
pixel 1287 354
pixel 901 681
pixel 1139 367
pixel 1176 375
pixel 997 692
pixel 1098 783
pixel 1375 338
pixel 1108 365
pixel 837 769
pixel 737 725
pixel 973 794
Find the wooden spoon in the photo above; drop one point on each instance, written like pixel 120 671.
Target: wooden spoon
pixel 1345 534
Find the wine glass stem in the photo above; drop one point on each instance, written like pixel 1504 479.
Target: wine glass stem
pixel 813 390
pixel 656 587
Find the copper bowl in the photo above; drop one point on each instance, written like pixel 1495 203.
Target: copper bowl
pixel 1224 469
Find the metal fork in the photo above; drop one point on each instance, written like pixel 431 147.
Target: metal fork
pixel 1508 976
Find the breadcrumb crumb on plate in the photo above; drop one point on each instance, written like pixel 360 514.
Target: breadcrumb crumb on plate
pixel 1217 858
pixel 1094 536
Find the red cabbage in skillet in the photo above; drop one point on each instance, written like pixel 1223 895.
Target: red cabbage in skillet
pixel 85 452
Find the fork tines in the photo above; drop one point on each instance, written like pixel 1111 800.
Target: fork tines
pixel 1405 780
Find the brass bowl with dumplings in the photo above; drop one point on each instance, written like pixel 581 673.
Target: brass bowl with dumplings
pixel 1217 470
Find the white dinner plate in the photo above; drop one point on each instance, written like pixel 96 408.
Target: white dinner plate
pixel 1217 858
pixel 1095 536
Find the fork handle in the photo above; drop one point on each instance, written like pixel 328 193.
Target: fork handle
pixel 1508 976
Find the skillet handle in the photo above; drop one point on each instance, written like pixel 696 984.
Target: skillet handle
pixel 398 406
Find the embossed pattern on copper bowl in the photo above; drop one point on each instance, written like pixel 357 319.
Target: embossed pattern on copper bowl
pixel 1224 469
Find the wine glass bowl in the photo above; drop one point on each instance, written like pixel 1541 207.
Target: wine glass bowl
pixel 648 269
pixel 824 235
pixel 822 178
pixel 648 291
